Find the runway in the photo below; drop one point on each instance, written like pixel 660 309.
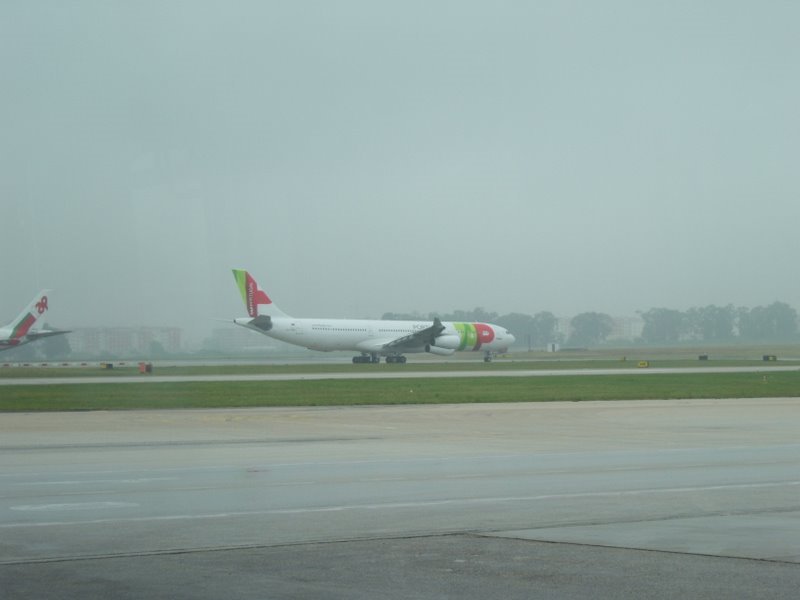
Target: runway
pixel 655 498
pixel 398 374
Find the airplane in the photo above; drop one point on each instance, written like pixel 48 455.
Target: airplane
pixel 372 338
pixel 26 327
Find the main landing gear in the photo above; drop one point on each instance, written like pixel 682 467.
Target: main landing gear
pixel 375 358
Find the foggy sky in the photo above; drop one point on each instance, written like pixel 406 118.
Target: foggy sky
pixel 365 157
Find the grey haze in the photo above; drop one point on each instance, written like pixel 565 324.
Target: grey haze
pixel 365 157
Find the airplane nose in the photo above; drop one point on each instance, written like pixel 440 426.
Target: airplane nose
pixel 511 339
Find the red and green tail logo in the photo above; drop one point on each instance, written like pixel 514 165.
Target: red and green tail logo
pixel 22 328
pixel 251 295
pixel 24 325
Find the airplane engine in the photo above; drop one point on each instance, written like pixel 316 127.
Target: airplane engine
pixel 449 342
pixel 439 351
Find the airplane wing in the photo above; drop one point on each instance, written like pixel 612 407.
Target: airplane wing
pixel 417 339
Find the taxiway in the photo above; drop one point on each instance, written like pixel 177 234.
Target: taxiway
pixel 632 499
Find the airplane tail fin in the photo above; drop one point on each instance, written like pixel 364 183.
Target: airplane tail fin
pixel 255 299
pixel 29 319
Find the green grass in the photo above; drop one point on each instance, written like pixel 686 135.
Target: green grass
pixel 396 391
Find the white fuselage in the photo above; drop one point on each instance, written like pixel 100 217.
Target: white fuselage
pixel 5 338
pixel 372 335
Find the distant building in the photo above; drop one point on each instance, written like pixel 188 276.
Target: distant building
pixel 563 328
pixel 626 329
pixel 238 339
pixel 124 341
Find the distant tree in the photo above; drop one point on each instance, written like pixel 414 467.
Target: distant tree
pixel 457 315
pixel 776 322
pixel 711 323
pixel 211 345
pixel 590 328
pixel 663 325
pixel 55 347
pixel 24 353
pixel 476 314
pixel 483 316
pixel 156 349
pixel 521 326
pixel 544 324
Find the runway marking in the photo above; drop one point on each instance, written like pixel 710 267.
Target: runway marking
pixel 384 506
pixel 289 483
pixel 74 506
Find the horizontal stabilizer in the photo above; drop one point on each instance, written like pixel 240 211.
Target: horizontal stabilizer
pixel 262 322
pixel 37 335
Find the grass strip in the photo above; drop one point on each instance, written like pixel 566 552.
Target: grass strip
pixel 432 367
pixel 396 391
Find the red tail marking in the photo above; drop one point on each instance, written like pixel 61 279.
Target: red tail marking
pixel 255 296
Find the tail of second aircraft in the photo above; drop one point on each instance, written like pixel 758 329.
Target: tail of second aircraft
pixel 27 320
pixel 255 299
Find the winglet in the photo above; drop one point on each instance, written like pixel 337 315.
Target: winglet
pixel 437 326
